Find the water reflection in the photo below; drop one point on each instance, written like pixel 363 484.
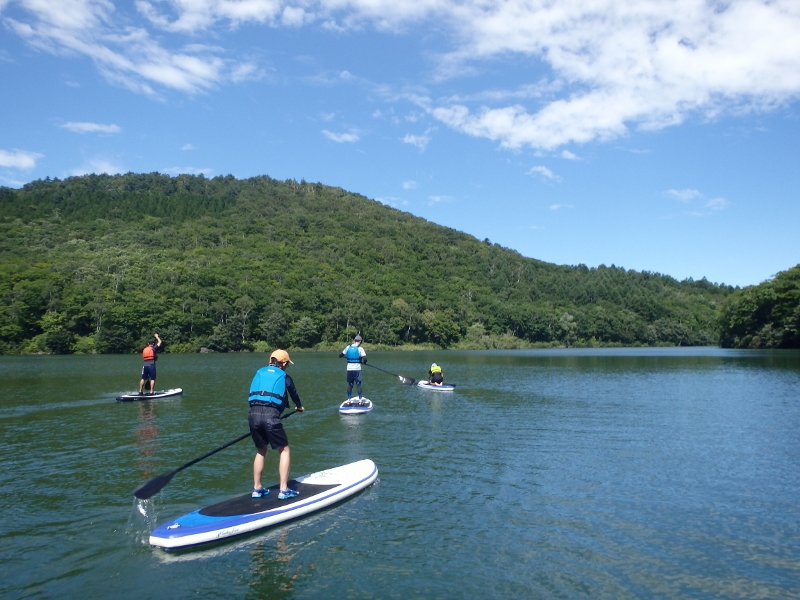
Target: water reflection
pixel 273 571
pixel 147 441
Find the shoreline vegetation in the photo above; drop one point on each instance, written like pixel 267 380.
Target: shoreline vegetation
pixel 97 263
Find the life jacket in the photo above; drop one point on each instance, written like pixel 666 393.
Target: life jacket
pixel 148 353
pixel 436 369
pixel 268 385
pixel 352 354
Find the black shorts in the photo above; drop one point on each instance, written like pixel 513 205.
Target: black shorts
pixel 354 376
pixel 437 378
pixel 149 372
pixel 266 427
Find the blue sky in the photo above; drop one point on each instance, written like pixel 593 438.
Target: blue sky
pixel 660 135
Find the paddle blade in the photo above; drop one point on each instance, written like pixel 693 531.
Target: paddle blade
pixel 407 380
pixel 152 487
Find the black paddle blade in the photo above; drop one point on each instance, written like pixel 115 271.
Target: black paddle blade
pixel 407 380
pixel 152 487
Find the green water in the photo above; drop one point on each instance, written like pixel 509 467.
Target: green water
pixel 555 474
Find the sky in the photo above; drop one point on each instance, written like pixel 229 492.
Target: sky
pixel 656 135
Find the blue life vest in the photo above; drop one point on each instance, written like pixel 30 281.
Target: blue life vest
pixel 268 385
pixel 352 354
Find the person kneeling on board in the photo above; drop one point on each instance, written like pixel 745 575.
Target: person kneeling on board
pixel 355 356
pixel 150 356
pixel 435 375
pixel 269 392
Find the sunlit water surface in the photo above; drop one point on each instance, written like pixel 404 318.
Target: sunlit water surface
pixel 561 473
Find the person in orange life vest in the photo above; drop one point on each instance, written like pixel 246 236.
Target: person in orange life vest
pixel 269 395
pixel 150 356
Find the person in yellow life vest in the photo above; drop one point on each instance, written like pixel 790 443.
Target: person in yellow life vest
pixel 435 375
pixel 150 356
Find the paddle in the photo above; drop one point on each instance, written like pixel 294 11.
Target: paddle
pixel 403 380
pixel 155 485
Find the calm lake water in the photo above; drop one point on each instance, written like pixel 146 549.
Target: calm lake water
pixel 633 473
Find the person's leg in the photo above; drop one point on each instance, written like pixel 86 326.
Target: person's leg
pixel 152 385
pixel 284 463
pixel 141 385
pixel 258 467
pixel 358 383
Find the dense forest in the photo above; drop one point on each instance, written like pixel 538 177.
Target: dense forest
pixel 98 263
pixel 765 315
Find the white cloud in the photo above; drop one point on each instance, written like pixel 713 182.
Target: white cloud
pixel 187 147
pixel 187 171
pixel 341 137
pixel 98 166
pixel 124 54
pixel 409 185
pixel 560 206
pixel 420 141
pixel 686 195
pixel 544 173
pixel 717 203
pixel 19 159
pixel 83 127
pixel 612 66
pixel 437 199
pixel 566 154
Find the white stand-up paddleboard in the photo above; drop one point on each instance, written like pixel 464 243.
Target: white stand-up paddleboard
pixel 355 407
pixel 244 514
pixel 134 396
pixel 445 387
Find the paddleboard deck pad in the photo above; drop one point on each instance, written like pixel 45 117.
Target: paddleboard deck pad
pixel 445 387
pixel 134 396
pixel 355 407
pixel 245 514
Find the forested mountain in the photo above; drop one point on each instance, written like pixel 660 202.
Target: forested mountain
pixel 100 262
pixel 765 315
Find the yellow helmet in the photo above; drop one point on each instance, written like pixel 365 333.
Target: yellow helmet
pixel 281 356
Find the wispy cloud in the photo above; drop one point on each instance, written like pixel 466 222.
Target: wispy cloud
pixel 560 206
pixel 409 185
pixel 693 198
pixel 84 127
pixel 420 141
pixel 566 154
pixel 544 173
pixel 437 199
pixel 98 166
pixel 19 159
pixel 187 147
pixel 187 171
pixel 685 195
pixel 341 137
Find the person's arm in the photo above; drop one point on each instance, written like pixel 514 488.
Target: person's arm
pixel 363 355
pixel 293 393
pixel 159 343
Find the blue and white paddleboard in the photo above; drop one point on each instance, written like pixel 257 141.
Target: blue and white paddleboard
pixel 244 514
pixel 134 396
pixel 354 407
pixel 445 387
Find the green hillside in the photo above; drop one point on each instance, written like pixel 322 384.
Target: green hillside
pixel 100 262
pixel 765 315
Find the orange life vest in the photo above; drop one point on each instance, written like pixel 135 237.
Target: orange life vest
pixel 148 353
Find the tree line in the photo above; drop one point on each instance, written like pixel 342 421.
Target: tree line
pixel 97 263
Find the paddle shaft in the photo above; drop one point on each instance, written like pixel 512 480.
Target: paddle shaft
pixel 155 485
pixel 405 380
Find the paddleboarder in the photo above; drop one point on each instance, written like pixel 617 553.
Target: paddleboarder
pixel 356 356
pixel 269 396
pixel 435 375
pixel 150 356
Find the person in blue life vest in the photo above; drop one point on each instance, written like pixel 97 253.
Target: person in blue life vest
pixel 355 356
pixel 269 396
pixel 435 375
pixel 150 356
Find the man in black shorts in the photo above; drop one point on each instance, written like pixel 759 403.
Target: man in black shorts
pixel 268 397
pixel 150 356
